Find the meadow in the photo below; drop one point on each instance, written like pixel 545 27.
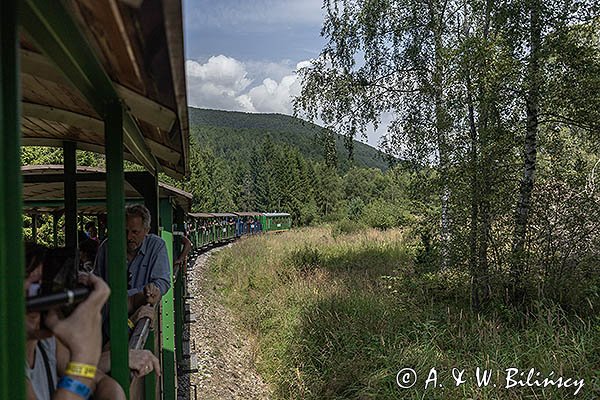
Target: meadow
pixel 343 314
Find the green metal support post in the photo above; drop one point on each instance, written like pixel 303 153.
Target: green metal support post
pixel 146 184
pixel 55 217
pixel 169 376
pixel 117 270
pixel 12 270
pixel 179 287
pixel 34 224
pixel 70 193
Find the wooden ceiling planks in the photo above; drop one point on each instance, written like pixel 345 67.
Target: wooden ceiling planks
pixel 42 91
pixel 106 31
pixel 132 44
pixel 42 129
pixel 86 189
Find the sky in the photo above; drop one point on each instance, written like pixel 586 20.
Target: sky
pixel 241 55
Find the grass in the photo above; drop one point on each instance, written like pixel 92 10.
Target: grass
pixel 338 316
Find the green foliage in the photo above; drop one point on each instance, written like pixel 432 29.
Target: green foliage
pixel 355 208
pixel 229 134
pixel 337 318
pixel 346 226
pixel 477 90
pixel 380 215
pixel 306 258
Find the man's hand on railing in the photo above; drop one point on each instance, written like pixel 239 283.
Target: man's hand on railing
pixel 146 311
pixel 152 293
pixel 142 362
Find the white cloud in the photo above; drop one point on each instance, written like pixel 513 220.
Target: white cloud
pixel 226 83
pixel 216 83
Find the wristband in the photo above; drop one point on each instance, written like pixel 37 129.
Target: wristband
pixel 82 370
pixel 130 324
pixel 74 386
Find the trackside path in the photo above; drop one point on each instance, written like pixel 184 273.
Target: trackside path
pixel 225 357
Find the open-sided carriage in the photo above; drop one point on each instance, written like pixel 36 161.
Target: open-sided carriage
pixel 248 223
pixel 276 222
pixel 104 76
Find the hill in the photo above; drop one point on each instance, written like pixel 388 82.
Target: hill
pixel 232 134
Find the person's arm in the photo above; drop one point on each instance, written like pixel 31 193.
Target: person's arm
pixel 106 387
pixel 187 247
pixel 80 333
pixel 161 271
pixel 141 362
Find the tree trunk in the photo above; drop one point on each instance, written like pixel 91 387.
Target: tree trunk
pixel 530 152
pixel 436 13
pixel 475 200
pixel 482 177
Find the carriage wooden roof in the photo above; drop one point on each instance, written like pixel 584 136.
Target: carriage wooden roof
pixel 201 215
pixel 224 215
pixel 76 54
pixel 249 214
pixel 46 195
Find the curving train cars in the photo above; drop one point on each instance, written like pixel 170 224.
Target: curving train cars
pixel 209 229
pixel 74 78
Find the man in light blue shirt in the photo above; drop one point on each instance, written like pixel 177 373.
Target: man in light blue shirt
pixel 147 260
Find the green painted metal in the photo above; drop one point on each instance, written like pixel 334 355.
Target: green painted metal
pixel 54 32
pixel 179 310
pixel 115 193
pixel 34 223
pixel 70 193
pixel 55 218
pixel 12 302
pixel 169 375
pixel 179 286
pixel 275 223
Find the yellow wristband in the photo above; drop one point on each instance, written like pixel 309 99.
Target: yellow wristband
pixel 130 324
pixel 82 370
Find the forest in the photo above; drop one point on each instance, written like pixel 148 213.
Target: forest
pixel 498 101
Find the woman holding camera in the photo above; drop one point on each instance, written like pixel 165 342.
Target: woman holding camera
pixel 61 361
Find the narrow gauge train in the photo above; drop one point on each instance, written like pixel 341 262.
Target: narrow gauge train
pixel 43 190
pixel 107 77
pixel 208 229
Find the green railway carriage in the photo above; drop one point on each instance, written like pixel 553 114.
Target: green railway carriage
pixel 248 223
pixel 276 222
pixel 201 229
pixel 106 77
pixel 225 225
pixel 43 190
pixel 209 229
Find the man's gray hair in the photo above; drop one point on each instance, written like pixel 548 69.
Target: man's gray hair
pixel 139 210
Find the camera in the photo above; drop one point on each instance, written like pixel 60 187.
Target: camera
pixel 59 288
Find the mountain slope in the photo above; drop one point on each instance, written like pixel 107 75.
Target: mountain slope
pixel 232 134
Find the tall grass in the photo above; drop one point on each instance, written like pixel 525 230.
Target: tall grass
pixel 336 317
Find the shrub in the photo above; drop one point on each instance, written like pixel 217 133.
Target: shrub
pixel 306 258
pixel 346 227
pixel 379 214
pixel 355 208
